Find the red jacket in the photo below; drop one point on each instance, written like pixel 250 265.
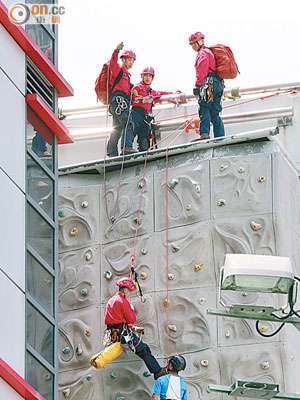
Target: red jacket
pixel 204 60
pixel 144 91
pixel 118 310
pixel 124 84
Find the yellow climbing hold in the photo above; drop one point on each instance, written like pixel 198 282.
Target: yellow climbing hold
pixel 198 267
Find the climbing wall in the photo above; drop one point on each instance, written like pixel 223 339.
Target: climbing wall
pixel 236 199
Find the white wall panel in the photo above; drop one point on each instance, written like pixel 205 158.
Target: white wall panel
pixel 7 392
pixel 12 325
pixel 12 234
pixel 12 59
pixel 12 129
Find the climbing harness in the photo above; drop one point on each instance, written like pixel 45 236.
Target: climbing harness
pixel 206 90
pixel 127 336
pixel 121 105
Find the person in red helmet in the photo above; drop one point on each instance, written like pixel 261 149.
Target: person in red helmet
pixel 143 98
pixel 120 97
pixel 118 314
pixel 209 87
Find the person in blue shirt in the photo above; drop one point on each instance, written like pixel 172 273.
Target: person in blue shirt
pixel 171 386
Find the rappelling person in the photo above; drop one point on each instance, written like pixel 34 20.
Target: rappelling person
pixel 171 386
pixel 143 98
pixel 209 87
pixel 120 98
pixel 118 315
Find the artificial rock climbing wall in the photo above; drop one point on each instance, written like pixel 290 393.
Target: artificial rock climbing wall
pixel 234 199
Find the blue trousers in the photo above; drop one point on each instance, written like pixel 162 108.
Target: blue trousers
pixel 209 111
pixel 121 117
pixel 140 129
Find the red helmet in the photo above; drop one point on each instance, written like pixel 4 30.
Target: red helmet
pixel 148 70
pixel 195 37
pixel 126 282
pixel 128 53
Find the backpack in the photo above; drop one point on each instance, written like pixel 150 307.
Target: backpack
pixel 226 65
pixel 103 88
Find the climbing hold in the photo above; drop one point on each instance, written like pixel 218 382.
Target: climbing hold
pixel 175 247
pixel 265 365
pixel 146 374
pixel 88 256
pixel 227 334
pixel 48 282
pixel 221 203
pixel 121 398
pixel 244 294
pixel 255 226
pixel 87 332
pixel 263 328
pixel 188 207
pixel 202 300
pixel 223 167
pixel 204 363
pixel 261 179
pixel 171 277
pixel 74 232
pixel 166 302
pixel 198 189
pixel 173 183
pixel 107 274
pixel 137 220
pixel 78 349
pixel 61 213
pixel 140 185
pixel 47 377
pixel 241 170
pixel 198 267
pixel 66 392
pixel 88 377
pixel 83 292
pixel 172 328
pixel 144 251
pixel 66 350
pixel 85 204
pixel 113 376
pixel 144 275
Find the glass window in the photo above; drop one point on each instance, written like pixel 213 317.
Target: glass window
pixel 40 333
pixel 39 377
pixel 39 138
pixel 40 186
pixel 40 235
pixel 40 284
pixel 42 38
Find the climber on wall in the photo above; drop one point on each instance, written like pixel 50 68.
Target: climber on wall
pixel 118 313
pixel 171 386
pixel 209 88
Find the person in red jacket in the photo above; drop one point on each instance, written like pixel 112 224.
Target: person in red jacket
pixel 143 98
pixel 209 87
pixel 120 97
pixel 118 313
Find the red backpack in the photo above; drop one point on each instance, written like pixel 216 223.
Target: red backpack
pixel 226 65
pixel 103 88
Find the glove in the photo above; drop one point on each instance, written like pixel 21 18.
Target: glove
pixel 135 93
pixel 119 47
pixel 138 329
pixel 148 99
pixel 196 90
pixel 132 307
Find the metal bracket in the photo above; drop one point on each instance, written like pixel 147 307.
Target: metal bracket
pixel 284 121
pixel 253 312
pixel 254 390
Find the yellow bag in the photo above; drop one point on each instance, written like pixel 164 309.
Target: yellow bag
pixel 113 351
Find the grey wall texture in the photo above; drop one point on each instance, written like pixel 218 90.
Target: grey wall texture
pixel 234 199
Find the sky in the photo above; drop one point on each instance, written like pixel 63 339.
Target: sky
pixel 264 36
